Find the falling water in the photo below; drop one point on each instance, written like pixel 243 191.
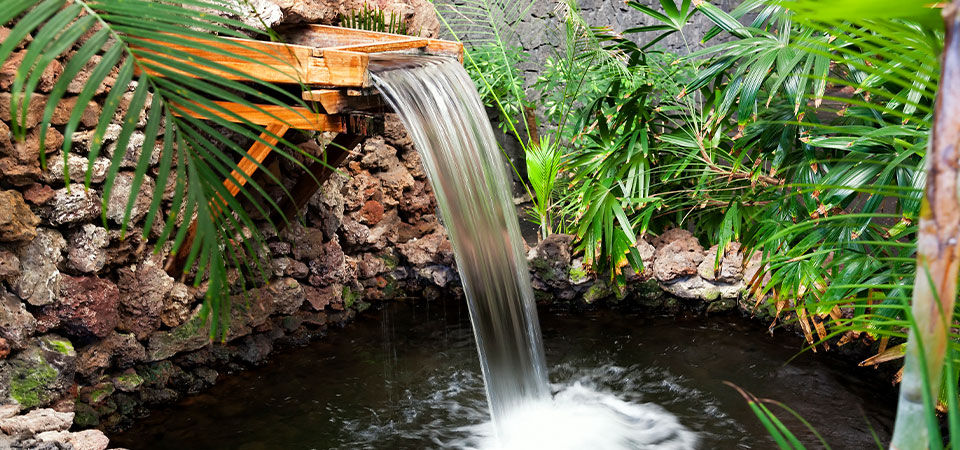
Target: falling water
pixel 442 111
pixel 440 107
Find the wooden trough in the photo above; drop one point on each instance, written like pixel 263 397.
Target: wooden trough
pixel 333 70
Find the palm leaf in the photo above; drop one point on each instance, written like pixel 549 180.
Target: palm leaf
pixel 151 48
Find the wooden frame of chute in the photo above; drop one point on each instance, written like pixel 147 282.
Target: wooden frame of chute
pixel 333 68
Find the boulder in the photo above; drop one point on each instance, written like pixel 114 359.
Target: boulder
pixel 355 234
pixel 551 259
pixel 378 155
pixel 370 266
pixel 19 173
pixel 16 323
pixel 191 335
pixel 438 275
pixel 135 147
pixel 319 298
pixel 116 350
pixel 37 421
pixel 39 282
pixel 39 194
pixel 40 374
pixel 86 248
pixel 396 134
pixel 88 440
pixel 330 267
pixel 61 115
pixel 306 243
pixel 433 248
pixel 8 411
pixel 731 265
pixel 646 252
pixel 143 290
pixel 695 287
pixel 359 188
pixel 394 182
pixel 77 168
pixel 9 266
pixel 17 222
pixel 286 295
pixel 329 204
pixel 28 151
pixel 73 206
pixel 86 309
pixel 372 212
pixel 121 193
pixel 178 305
pixel 678 255
pixel 418 200
pixel 34 109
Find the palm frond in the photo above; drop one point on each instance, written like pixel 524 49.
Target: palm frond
pixel 161 57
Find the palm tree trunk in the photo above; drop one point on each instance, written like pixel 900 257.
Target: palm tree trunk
pixel 938 254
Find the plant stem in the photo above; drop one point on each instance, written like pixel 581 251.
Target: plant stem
pixel 938 255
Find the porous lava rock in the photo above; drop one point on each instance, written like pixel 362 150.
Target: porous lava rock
pixel 17 222
pixel 86 308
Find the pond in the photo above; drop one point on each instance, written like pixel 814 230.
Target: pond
pixel 407 376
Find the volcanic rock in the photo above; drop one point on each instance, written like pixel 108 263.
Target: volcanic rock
pixel 17 222
pixel 39 282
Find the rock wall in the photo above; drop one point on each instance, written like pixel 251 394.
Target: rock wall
pixel 93 331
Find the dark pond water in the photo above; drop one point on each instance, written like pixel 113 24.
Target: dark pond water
pixel 408 377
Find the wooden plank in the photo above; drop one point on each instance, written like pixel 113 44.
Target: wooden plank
pixel 254 157
pixel 268 61
pixel 392 46
pixel 346 39
pixel 294 117
pixel 340 68
pixel 336 101
pixel 332 36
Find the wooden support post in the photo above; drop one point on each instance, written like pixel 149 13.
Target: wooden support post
pixel 255 156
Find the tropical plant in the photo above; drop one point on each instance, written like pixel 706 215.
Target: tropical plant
pixel 837 100
pixel 166 53
pixel 374 19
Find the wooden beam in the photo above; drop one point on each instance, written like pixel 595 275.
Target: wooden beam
pixel 254 157
pixel 392 46
pixel 245 169
pixel 268 61
pixel 337 101
pixel 293 117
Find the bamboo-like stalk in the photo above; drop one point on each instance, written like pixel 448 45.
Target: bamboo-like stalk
pixel 938 254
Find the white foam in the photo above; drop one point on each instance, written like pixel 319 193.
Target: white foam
pixel 579 417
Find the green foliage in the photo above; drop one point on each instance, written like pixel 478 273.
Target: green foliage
pixel 143 45
pixel 502 81
pixel 543 166
pixel 374 19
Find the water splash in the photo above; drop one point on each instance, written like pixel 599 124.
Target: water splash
pixel 440 107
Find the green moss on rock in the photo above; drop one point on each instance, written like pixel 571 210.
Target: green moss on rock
pixel 61 346
pixel 101 392
pixel 85 416
pixel 128 382
pixel 350 296
pixel 28 385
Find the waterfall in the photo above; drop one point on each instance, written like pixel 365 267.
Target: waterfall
pixel 440 107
